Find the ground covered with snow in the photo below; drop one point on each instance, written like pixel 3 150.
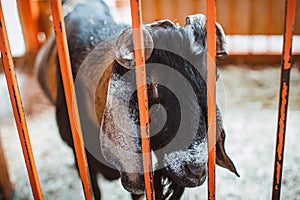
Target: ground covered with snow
pixel 250 112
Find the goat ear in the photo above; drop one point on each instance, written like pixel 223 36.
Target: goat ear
pixel 197 22
pixel 221 49
pixel 124 48
pixel 222 159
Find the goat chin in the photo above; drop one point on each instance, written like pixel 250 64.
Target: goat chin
pixel 133 182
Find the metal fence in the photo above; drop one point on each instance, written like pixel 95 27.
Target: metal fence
pixel 64 60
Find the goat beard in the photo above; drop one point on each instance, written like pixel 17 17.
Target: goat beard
pixel 165 187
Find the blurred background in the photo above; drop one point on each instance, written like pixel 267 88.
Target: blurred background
pixel 249 78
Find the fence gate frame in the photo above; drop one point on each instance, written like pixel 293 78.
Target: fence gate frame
pixel 138 39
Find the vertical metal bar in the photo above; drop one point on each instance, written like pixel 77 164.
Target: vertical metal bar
pixel 138 40
pixel 290 6
pixel 211 93
pixel 18 109
pixel 28 11
pixel 65 67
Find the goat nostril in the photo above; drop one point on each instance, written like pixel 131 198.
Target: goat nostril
pixel 195 170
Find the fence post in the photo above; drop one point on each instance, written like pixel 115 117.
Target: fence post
pixel 211 94
pixel 290 6
pixel 29 13
pixel 67 78
pixel 16 103
pixel 138 40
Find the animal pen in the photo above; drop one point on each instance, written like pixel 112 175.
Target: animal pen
pixel 31 16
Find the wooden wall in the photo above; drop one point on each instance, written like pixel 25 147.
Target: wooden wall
pixel 238 17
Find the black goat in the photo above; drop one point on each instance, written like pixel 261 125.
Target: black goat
pixel 103 65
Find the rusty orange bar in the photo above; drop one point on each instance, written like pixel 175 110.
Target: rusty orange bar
pixel 286 64
pixel 16 103
pixel 29 13
pixel 65 68
pixel 211 93
pixel 138 40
